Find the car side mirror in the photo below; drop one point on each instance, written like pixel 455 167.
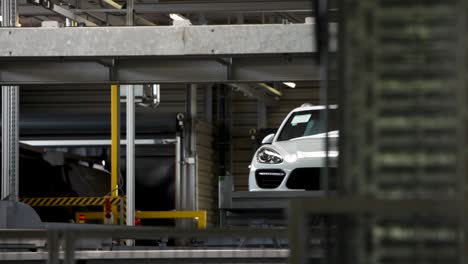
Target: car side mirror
pixel 268 139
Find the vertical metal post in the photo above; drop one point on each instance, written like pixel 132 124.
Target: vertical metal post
pixel 130 12
pixel 9 13
pixel 298 233
pixel 10 156
pixel 183 177
pixel 178 164
pixel 322 27
pixel 115 138
pixel 130 155
pixel 53 246
pixel 69 256
pixel 10 116
pixel 192 138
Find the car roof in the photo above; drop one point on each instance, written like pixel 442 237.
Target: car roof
pixel 313 107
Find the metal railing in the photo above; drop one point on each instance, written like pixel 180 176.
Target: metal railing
pixel 199 216
pixel 63 244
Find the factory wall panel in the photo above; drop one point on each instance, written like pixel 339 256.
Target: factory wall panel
pixel 207 179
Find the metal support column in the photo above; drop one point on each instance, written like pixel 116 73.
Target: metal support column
pixel 10 116
pixel 130 12
pixel 130 155
pixel 9 13
pixel 115 138
pixel 178 174
pixel 10 156
pixel 192 149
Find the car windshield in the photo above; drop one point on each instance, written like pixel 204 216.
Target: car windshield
pixel 307 123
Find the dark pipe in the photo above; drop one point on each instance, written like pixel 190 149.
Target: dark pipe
pixel 60 124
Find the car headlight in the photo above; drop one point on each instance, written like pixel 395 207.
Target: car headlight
pixel 269 156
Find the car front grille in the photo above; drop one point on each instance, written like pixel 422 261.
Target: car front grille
pixel 269 179
pixel 309 179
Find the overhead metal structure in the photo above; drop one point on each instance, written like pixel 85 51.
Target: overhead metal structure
pixel 190 7
pixel 154 54
pixel 157 41
pixel 70 15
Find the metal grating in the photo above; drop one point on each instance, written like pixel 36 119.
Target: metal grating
pixel 404 133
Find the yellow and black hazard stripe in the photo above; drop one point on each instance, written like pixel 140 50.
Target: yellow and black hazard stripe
pixel 68 201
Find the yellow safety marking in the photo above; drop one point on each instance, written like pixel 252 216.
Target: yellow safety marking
pixel 68 201
pixel 115 144
pixel 200 216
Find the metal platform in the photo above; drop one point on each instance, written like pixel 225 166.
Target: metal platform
pixel 257 208
pixel 264 200
pixel 159 256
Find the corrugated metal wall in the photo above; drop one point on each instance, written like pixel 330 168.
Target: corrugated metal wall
pixel 244 117
pixel 207 179
pixel 92 99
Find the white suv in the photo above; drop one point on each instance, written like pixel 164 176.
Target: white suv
pixel 293 158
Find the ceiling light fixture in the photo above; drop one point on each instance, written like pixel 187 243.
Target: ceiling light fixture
pixel 290 84
pixel 177 17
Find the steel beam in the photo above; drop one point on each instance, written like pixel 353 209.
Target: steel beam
pixel 188 7
pixel 243 69
pixel 69 14
pixel 157 41
pixel 91 10
pixel 34 10
pixel 225 7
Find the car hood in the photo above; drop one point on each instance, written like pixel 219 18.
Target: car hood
pixel 307 147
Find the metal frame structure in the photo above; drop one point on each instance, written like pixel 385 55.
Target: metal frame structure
pixel 10 115
pixel 193 54
pixel 258 208
pixel 69 237
pixel 154 54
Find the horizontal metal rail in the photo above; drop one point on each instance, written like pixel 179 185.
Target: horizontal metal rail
pixel 156 254
pixel 200 216
pixel 93 142
pixel 362 205
pixel 126 232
